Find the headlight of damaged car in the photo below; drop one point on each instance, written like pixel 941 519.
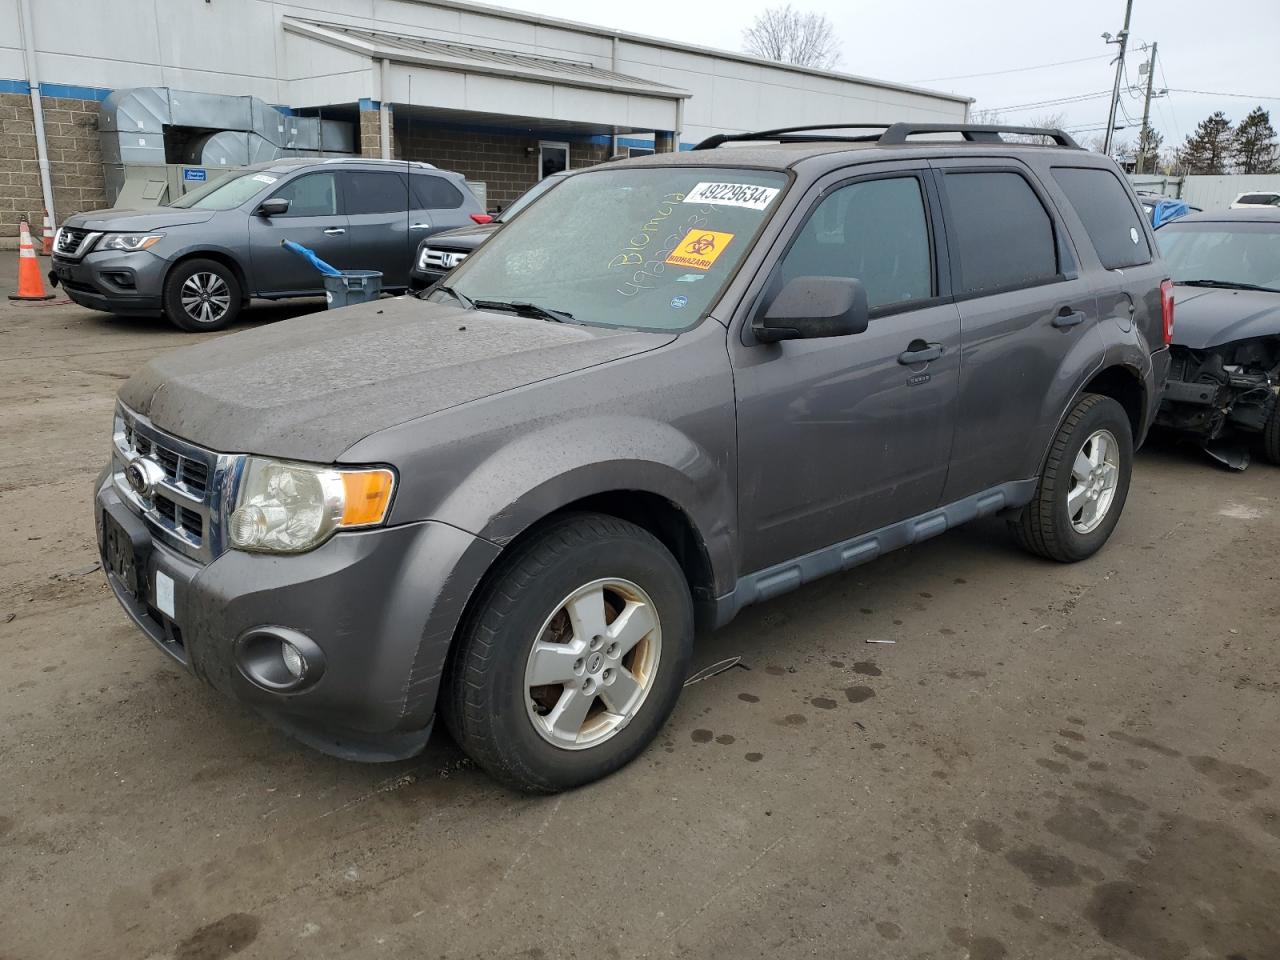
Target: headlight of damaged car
pixel 286 507
pixel 130 242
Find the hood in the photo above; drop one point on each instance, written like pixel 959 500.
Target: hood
pixel 461 238
pixel 1207 317
pixel 310 387
pixel 137 221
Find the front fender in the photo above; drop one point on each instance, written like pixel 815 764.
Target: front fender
pixel 550 468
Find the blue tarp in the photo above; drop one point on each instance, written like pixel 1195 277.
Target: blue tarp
pixel 1167 210
pixel 309 254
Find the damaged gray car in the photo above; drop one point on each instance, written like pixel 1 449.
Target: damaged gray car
pixel 1224 379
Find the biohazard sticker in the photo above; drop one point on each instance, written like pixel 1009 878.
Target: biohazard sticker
pixel 699 249
pixel 732 195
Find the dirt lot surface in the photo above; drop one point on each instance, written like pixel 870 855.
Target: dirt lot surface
pixel 1045 762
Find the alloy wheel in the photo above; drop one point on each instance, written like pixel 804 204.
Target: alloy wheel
pixel 1095 475
pixel 205 297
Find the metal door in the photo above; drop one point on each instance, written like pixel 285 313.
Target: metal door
pixel 315 220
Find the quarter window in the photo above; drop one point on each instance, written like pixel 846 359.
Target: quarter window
pixel 310 195
pixel 874 231
pixel 1104 207
pixel 1003 235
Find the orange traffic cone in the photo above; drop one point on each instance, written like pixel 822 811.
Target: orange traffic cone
pixel 46 245
pixel 30 283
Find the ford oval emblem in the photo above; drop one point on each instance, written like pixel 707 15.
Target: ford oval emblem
pixel 142 476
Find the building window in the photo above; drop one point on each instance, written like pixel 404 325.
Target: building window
pixel 552 158
pixel 639 151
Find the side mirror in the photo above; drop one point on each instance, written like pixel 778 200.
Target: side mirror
pixel 811 307
pixel 273 207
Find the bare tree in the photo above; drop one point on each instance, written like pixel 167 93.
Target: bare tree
pixel 789 36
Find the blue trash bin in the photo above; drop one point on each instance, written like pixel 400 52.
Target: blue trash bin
pixel 352 286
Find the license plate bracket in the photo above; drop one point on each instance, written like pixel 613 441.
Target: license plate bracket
pixel 124 552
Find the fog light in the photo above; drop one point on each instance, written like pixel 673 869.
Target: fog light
pixel 293 661
pixel 279 659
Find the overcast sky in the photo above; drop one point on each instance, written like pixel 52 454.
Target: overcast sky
pixel 1221 46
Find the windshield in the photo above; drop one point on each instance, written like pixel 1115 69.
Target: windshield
pixel 225 193
pixel 526 198
pixel 1246 253
pixel 642 247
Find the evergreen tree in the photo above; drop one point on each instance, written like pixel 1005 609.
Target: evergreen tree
pixel 1208 150
pixel 1147 150
pixel 1252 148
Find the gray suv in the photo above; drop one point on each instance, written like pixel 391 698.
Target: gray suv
pixel 672 387
pixel 200 259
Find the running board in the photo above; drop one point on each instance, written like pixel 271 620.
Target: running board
pixel 790 574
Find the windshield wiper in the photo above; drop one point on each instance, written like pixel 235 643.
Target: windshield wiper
pixel 466 302
pixel 1226 285
pixel 526 308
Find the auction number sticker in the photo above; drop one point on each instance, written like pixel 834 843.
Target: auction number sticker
pixel 732 195
pixel 263 178
pixel 699 249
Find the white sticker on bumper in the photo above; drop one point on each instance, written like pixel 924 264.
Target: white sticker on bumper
pixel 164 594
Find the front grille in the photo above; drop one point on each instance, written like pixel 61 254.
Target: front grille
pixel 73 242
pixel 441 259
pixel 183 505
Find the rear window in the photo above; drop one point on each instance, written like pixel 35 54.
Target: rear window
pixel 1104 207
pixel 1260 198
pixel 1004 237
pixel 435 193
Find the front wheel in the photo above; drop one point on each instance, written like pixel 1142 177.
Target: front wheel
pixel 1083 486
pixel 201 296
pixel 574 657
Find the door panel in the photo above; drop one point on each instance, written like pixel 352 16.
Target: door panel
pixel 382 224
pixel 839 436
pixel 1026 316
pixel 314 219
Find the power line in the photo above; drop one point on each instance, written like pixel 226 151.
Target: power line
pixel 997 73
pixel 1212 93
pixel 1077 98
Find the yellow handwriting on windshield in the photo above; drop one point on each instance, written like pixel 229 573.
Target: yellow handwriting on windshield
pixel 633 253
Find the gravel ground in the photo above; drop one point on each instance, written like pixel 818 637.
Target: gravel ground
pixel 1046 761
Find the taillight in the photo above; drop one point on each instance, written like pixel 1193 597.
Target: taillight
pixel 1166 310
pixel 481 218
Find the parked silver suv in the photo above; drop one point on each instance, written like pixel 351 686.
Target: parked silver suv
pixel 200 259
pixel 672 387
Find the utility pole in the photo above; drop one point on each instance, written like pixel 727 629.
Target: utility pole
pixel 1144 136
pixel 1123 40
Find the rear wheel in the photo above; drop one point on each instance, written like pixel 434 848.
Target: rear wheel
pixel 574 657
pixel 1271 434
pixel 201 296
pixel 1083 486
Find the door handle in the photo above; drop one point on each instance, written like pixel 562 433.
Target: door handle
pixel 334 232
pixel 419 226
pixel 920 352
pixel 1068 318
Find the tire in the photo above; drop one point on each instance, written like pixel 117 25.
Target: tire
pixel 1271 435
pixel 504 723
pixel 201 296
pixel 1061 524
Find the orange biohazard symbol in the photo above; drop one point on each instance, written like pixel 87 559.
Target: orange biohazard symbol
pixel 699 249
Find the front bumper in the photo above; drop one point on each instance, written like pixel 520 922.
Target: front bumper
pixel 113 281
pixel 383 605
pixel 420 279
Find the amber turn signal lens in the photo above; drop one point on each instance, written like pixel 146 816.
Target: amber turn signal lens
pixel 368 494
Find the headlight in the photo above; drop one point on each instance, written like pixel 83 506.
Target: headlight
pixel 288 507
pixel 130 242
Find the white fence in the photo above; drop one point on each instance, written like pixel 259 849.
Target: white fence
pixel 1207 193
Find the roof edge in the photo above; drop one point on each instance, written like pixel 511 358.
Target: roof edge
pixel 506 13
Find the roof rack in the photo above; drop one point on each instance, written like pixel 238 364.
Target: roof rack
pixel 893 134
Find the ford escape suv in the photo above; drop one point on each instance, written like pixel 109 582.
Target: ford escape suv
pixel 199 260
pixel 674 386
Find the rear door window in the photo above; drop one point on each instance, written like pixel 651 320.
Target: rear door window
pixel 1103 205
pixel 1003 236
pixel 435 193
pixel 370 192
